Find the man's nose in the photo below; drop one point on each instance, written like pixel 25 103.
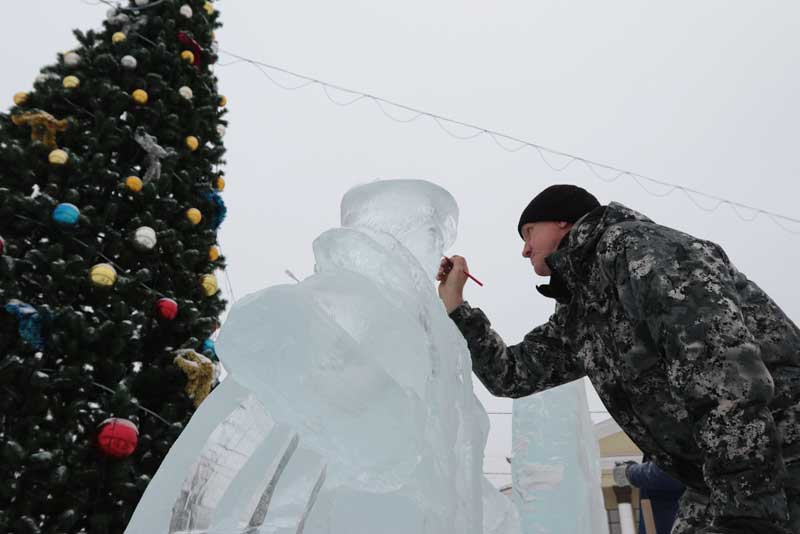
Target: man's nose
pixel 526 250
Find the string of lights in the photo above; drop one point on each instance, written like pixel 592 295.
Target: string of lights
pixel 557 160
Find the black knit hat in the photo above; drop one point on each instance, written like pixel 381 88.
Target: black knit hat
pixel 566 203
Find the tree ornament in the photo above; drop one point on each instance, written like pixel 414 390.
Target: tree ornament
pixel 117 437
pixel 220 183
pixel 186 40
pixel 66 214
pixel 71 82
pixel 118 38
pixel 144 238
pixel 140 96
pixel 186 92
pixel 186 11
pixel 209 283
pixel 167 308
pixel 124 20
pixel 72 59
pixel 115 17
pixel 128 62
pixel 47 76
pixel 133 184
pixel 221 130
pixel 155 153
pixel 44 127
pixel 223 101
pixel 218 209
pixel 192 143
pixel 209 347
pixel 209 8
pixel 199 372
pixel 194 216
pixel 187 56
pixel 58 157
pixel 29 322
pixel 213 253
pixel 20 99
pixel 103 275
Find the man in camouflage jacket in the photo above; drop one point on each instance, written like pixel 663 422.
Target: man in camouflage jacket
pixel 693 360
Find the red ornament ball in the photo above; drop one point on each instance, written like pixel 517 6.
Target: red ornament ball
pixel 167 308
pixel 117 437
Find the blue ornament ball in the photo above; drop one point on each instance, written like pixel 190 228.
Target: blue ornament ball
pixel 66 214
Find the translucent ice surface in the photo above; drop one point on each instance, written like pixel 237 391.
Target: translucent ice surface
pixel 556 463
pixel 231 466
pixel 365 420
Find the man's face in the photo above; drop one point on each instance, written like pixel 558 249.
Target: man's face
pixel 541 240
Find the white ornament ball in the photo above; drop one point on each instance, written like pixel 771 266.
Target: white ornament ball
pixel 186 11
pixel 129 62
pixel 221 130
pixel 72 59
pixel 145 238
pixel 186 92
pixel 47 76
pixel 115 17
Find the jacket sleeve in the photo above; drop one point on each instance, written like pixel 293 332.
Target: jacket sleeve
pixel 683 290
pixel 541 361
pixel 648 476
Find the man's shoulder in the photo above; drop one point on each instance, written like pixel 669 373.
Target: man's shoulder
pixel 646 233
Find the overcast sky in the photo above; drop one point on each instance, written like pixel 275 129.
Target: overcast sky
pixel 703 94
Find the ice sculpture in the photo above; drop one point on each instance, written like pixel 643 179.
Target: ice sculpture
pixel 360 364
pixel 230 466
pixel 556 463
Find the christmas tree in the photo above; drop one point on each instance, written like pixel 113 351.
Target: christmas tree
pixel 109 210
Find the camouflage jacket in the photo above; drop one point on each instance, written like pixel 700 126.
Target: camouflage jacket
pixel 693 360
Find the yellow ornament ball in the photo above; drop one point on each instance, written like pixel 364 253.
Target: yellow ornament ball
pixel 118 37
pixel 213 253
pixel 220 183
pixel 223 101
pixel 209 283
pixel 71 82
pixel 103 275
pixel 192 143
pixel 187 56
pixel 194 216
pixel 58 157
pixel 209 7
pixel 134 183
pixel 20 99
pixel 140 96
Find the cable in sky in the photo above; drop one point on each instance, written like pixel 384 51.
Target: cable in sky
pixel 509 143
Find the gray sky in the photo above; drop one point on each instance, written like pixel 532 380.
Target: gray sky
pixel 703 94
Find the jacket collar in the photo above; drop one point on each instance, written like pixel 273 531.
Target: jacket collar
pixel 570 263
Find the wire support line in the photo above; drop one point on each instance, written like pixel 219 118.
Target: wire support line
pixel 511 413
pixel 556 160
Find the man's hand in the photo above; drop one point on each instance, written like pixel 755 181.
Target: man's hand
pixel 620 473
pixel 452 277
